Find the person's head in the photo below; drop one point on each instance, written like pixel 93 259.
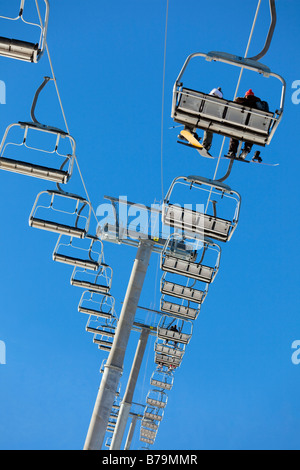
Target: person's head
pixel 249 93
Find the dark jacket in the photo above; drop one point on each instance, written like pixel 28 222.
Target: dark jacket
pixel 251 101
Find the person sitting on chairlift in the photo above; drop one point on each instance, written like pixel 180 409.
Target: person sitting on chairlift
pixel 208 135
pixel 173 328
pixel 251 101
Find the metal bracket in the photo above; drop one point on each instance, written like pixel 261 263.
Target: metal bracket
pixel 270 33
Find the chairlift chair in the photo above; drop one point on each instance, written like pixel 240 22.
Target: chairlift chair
pixel 111 426
pixel 149 424
pixel 108 442
pixel 203 224
pixel 104 345
pixel 199 110
pixel 24 50
pixel 41 157
pixel 153 413
pixel 147 440
pixel 180 291
pixel 114 415
pixel 165 331
pixel 171 348
pixel 183 310
pixel 103 333
pixel 96 327
pixel 98 305
pixel 157 398
pixel 97 281
pixel 201 264
pixel 148 434
pixel 86 253
pixel 162 379
pixel 47 214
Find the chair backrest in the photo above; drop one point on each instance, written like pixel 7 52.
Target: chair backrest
pixel 223 117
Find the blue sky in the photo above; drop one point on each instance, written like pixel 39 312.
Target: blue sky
pixel 237 387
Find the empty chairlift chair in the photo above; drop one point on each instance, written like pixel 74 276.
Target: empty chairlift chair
pixel 103 331
pixel 52 150
pixel 104 342
pixel 148 436
pixel 97 281
pixel 149 424
pixel 23 49
pixel 61 212
pixel 157 398
pixel 146 440
pixel 199 110
pixel 86 253
pixel 175 288
pixel 206 221
pixel 185 310
pixel 153 413
pixel 192 258
pixel 162 379
pixel 98 305
pixel 39 151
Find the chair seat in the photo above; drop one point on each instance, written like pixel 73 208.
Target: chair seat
pixel 37 171
pixel 55 227
pixel 17 49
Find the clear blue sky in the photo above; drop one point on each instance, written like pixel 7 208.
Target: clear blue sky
pixel 237 387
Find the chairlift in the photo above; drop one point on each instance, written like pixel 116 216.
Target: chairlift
pixel 52 150
pixel 86 253
pixel 198 110
pixel 174 329
pixel 149 424
pixel 201 263
pixel 165 360
pixel 148 434
pixel 97 281
pixel 183 310
pixel 153 413
pixel 102 328
pixel 170 347
pixel 49 153
pixel 104 345
pixel 24 50
pixel 157 398
pixel 203 224
pixel 98 305
pixel 61 212
pixel 114 415
pixel 104 333
pixel 180 291
pixel 162 379
pixel 111 426
pixel 102 367
pixel 116 404
pixel 147 440
pixel 108 442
